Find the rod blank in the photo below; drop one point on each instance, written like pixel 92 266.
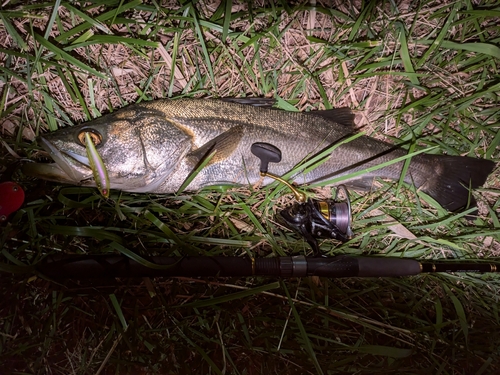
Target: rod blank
pixel 110 266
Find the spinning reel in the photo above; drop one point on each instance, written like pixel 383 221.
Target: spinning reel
pixel 309 217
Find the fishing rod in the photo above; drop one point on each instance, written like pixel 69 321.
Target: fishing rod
pixel 111 266
pixel 311 218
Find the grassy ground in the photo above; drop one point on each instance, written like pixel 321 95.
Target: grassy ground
pixel 426 70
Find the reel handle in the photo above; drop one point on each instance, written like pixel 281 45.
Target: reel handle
pixel 268 153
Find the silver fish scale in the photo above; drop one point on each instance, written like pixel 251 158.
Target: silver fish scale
pixel 297 135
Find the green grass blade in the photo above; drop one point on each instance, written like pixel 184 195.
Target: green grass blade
pixel 405 54
pixel 11 30
pixel 482 48
pixel 303 334
pixel 91 21
pixel 227 19
pixel 204 162
pixel 460 312
pixel 234 296
pixel 440 38
pixel 65 56
pixel 364 15
pixel 123 250
pixel 118 310
pixel 371 169
pixel 201 40
pixel 100 18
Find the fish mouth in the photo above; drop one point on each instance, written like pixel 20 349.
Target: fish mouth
pixel 63 170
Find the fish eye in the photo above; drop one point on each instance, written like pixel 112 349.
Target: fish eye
pixel 94 134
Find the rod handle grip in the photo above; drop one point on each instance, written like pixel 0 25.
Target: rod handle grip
pixel 348 266
pixel 387 267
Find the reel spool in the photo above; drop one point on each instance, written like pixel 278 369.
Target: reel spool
pixel 309 217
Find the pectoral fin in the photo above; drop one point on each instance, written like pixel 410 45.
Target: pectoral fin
pixel 223 145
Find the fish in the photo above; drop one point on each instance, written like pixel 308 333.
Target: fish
pixel 154 147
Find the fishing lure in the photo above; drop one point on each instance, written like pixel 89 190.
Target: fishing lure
pixel 97 165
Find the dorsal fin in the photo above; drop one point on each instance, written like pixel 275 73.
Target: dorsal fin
pixel 255 102
pixel 342 116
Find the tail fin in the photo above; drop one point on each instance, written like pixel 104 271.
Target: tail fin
pixel 452 178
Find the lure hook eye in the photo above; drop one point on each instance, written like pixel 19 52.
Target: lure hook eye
pixel 94 134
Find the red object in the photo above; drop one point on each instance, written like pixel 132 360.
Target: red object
pixel 11 198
